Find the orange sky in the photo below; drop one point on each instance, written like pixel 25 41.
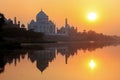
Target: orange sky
pixel 75 10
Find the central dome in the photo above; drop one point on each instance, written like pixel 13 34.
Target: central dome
pixel 41 15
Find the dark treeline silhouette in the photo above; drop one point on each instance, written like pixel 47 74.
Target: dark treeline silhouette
pixel 20 35
pixel 84 36
pixel 94 36
pixel 47 53
pixel 2 22
pixel 12 32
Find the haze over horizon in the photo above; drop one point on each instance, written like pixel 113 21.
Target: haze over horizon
pixel 76 11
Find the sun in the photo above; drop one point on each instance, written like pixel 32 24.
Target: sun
pixel 92 16
pixel 92 64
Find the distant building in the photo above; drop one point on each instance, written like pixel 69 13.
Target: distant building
pixel 46 26
pixel 42 24
pixel 67 29
pixel 11 24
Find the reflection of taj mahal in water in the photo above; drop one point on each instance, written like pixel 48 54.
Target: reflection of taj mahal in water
pixel 45 56
pixel 46 26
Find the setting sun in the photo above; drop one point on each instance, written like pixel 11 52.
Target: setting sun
pixel 92 16
pixel 92 64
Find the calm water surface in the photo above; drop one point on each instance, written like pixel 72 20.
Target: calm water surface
pixel 62 62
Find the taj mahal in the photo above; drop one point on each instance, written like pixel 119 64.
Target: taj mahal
pixel 46 26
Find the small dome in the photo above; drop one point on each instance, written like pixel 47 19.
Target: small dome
pixel 41 14
pixel 32 22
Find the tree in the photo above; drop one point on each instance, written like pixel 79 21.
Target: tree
pixel 2 22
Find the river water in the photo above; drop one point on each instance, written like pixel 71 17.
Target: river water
pixel 62 62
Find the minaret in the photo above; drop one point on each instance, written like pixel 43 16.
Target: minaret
pixel 66 26
pixel 41 9
pixel 15 22
pixel 66 22
pixel 66 58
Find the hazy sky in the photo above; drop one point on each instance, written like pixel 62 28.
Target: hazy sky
pixel 108 11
